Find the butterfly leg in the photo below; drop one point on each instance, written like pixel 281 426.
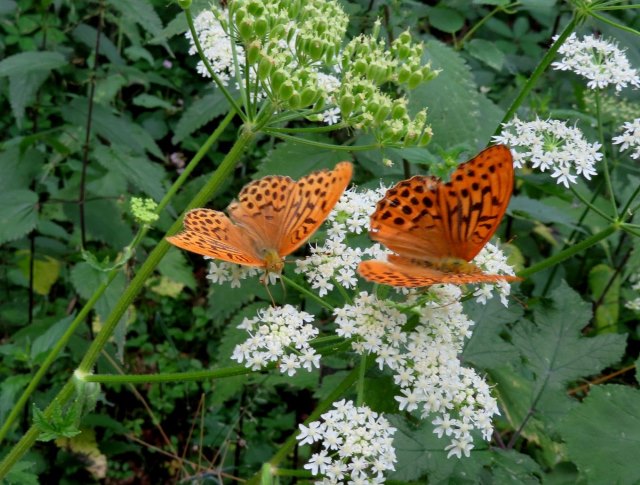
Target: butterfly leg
pixel 264 279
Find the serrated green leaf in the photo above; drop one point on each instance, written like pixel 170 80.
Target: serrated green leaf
pixel 46 270
pixel 86 34
pixel 10 388
pixel 117 130
pixel 139 171
pixel 555 351
pixel 152 102
pixel 175 266
pixel 86 280
pixel 142 13
pixel 17 170
pixel 22 91
pixel 445 19
pixel 486 348
pixel 136 52
pixel 605 278
pixel 509 466
pixel 200 112
pixel 452 98
pixel 603 435
pixel 296 160
pixel 538 210
pixel 22 474
pixel 24 62
pixel 487 52
pixel 45 341
pixel 19 214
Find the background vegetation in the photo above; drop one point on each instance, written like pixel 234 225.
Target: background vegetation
pixel 104 103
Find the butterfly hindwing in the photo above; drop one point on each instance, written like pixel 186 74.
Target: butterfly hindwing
pixel 211 233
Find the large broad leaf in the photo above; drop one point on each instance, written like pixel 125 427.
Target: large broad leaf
pixel 18 215
pixel 603 435
pixel 45 341
pixel 555 350
pixel 117 130
pixel 142 13
pixel 603 278
pixel 22 91
pixel 31 61
pixel 87 35
pixel 174 265
pixel 138 170
pixel 455 110
pixel 296 159
pixel 539 211
pixel 18 169
pixel 486 348
pixel 200 112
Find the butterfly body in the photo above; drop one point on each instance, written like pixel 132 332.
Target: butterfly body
pixel 272 217
pixel 435 228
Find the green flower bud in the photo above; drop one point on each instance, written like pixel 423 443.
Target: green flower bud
pixel 319 105
pixel 293 8
pixel 403 74
pixel 428 74
pixel 246 29
pixel 240 14
pixel 261 26
pixel 405 37
pixel 403 51
pixel 382 113
pixel 277 32
pixel 277 78
pixel 264 67
pixel 415 79
pixel 294 101
pixel 185 4
pixel 316 49
pixel 347 103
pixel 425 138
pixel 256 8
pixel 360 67
pixel 286 90
pixel 308 96
pixel 399 111
pixel 253 52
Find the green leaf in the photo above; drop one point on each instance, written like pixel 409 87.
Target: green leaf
pixel 24 62
pixel 453 100
pixel 135 53
pixel 10 388
pixel 17 169
pixel 19 214
pixel 446 19
pixel 22 91
pixel 86 35
pixel 603 435
pixel 142 13
pixel 487 52
pixel 603 278
pixel 138 171
pixel 152 102
pixel 86 279
pixel 22 473
pixel 117 130
pixel 45 341
pixel 175 266
pixel 296 160
pixel 200 112
pixel 46 270
pixel 555 350
pixel 538 210
pixel 486 348
pixel 57 425
pixel 104 222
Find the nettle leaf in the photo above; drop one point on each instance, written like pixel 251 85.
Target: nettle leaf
pixel 117 130
pixel 603 435
pixel 17 170
pixel 86 279
pixel 453 100
pixel 46 270
pixel 59 424
pixel 199 113
pixel 538 210
pixel 24 62
pixel 445 19
pixel 603 277
pixel 142 13
pixel 45 341
pixel 139 171
pixel 22 91
pixel 19 214
pixel 555 350
pixel 296 160
pixel 86 35
pixel 22 473
pixel 176 267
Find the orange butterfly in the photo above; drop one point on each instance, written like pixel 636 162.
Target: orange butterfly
pixel 272 218
pixel 436 228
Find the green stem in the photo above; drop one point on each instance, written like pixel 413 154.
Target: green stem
pixel 567 253
pixel 482 21
pixel 326 146
pixel 591 206
pixel 205 61
pixel 539 70
pixel 630 230
pixel 169 377
pixel 82 315
pixel 614 24
pixel 630 201
pixel 307 293
pixel 323 406
pixel 137 284
pixel 342 291
pixel 311 129
pixel 361 379
pixel 607 175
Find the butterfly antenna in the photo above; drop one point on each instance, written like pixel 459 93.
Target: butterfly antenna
pixel 284 287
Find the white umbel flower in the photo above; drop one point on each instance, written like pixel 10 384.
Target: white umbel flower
pixel 630 138
pixel 493 261
pixel 551 145
pixel 598 60
pixel 278 334
pixel 356 445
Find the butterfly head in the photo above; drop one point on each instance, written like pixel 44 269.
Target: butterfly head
pixel 273 262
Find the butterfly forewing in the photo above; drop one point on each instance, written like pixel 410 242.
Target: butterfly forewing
pixel 211 233
pixel 315 196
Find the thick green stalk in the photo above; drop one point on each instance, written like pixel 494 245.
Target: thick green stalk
pixel 539 70
pixel 88 306
pixel 361 379
pixel 199 375
pixel 607 173
pixel 206 193
pixel 567 253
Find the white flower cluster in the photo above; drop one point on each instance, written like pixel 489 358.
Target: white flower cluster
pixel 216 46
pixel 221 272
pixel 551 145
pixel 335 261
pixel 356 445
pixel 493 261
pixel 634 304
pixel 278 334
pixel 598 60
pixel 425 362
pixel 630 138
